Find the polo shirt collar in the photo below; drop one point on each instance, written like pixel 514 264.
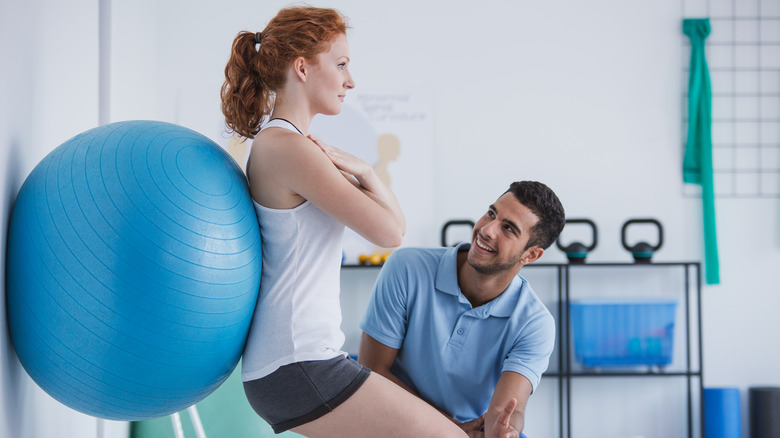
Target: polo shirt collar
pixel 447 282
pixel 504 305
pixel 447 275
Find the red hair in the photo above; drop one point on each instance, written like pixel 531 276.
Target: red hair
pixel 252 74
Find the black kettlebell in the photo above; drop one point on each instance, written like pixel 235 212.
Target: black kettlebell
pixel 453 223
pixel 576 251
pixel 642 251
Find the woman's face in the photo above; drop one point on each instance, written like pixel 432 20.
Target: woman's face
pixel 330 78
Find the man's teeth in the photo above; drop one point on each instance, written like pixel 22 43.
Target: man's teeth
pixel 479 244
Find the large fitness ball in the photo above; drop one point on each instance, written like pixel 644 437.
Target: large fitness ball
pixel 133 270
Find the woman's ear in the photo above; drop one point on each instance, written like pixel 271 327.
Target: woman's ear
pixel 301 68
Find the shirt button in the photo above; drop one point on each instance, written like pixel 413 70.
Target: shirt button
pixel 460 331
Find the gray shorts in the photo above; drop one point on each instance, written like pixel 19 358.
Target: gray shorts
pixel 301 392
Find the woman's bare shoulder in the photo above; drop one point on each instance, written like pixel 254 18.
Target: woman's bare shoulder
pixel 283 165
pixel 280 141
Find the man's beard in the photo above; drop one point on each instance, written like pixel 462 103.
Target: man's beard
pixel 494 268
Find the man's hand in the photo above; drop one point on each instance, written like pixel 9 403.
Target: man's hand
pixel 506 414
pixel 502 428
pixel 474 427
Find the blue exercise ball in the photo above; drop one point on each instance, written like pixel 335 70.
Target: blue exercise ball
pixel 133 268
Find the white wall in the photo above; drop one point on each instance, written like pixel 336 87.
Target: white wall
pixel 584 96
pixel 48 94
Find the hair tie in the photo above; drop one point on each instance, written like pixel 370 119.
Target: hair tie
pixel 258 37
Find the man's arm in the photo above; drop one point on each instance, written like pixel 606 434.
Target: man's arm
pixel 505 418
pixel 379 358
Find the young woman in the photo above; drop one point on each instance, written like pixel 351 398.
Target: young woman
pixel 295 375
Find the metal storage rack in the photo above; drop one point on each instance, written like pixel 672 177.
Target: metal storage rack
pixel 691 371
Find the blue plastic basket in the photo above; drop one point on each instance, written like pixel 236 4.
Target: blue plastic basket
pixel 614 333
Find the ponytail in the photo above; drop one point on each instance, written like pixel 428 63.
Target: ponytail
pixel 245 99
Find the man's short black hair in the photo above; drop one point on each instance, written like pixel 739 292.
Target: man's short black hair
pixel 543 202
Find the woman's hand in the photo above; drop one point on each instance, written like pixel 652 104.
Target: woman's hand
pixel 344 161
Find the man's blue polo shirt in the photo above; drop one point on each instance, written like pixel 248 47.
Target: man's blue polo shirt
pixel 450 353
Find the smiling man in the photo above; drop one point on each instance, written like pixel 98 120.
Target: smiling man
pixel 459 327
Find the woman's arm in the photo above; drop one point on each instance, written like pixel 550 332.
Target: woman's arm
pixel 316 172
pixel 366 178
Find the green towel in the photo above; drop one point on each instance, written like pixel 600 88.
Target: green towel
pixel 697 164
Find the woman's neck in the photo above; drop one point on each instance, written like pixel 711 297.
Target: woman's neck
pixel 299 116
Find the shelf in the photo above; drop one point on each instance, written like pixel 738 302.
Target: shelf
pixel 626 264
pixel 571 265
pixel 636 374
pixel 353 266
pixel 557 374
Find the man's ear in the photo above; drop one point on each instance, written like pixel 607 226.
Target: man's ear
pixel 531 255
pixel 301 68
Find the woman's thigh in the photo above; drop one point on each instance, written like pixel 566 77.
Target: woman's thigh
pixel 380 408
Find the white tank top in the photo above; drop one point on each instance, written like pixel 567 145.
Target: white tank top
pixel 298 315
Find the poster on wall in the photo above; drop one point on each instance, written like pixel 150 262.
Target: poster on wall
pixel 391 130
